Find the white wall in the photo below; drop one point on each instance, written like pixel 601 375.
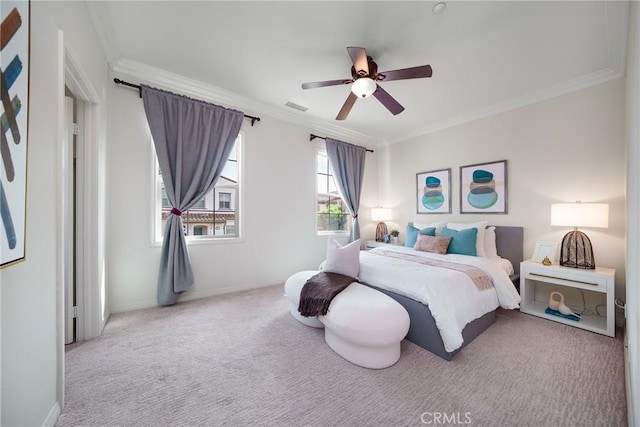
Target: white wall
pixel 29 289
pixel 277 210
pixel 561 150
pixel 633 217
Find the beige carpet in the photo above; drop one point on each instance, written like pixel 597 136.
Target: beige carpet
pixel 242 360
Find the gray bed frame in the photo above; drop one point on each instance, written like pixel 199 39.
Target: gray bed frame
pixel 423 330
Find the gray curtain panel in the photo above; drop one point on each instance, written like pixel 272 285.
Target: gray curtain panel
pixel 347 163
pixel 193 140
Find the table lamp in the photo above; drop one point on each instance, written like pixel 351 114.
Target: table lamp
pixel 381 214
pixel 576 250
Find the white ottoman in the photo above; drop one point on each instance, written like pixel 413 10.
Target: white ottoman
pixel 292 288
pixel 365 326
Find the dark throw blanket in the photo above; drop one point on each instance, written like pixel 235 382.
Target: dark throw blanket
pixel 319 290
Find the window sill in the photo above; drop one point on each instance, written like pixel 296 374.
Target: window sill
pixel 333 233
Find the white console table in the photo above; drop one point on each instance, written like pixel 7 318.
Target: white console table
pixel 601 280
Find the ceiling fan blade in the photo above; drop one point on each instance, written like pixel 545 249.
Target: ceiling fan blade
pixel 406 73
pixel 388 101
pixel 313 85
pixel 346 107
pixel 359 58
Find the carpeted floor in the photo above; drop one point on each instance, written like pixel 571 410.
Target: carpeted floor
pixel 242 360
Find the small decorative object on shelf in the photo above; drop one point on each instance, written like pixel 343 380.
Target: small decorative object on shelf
pixel 544 250
pixel 557 307
pixel 546 261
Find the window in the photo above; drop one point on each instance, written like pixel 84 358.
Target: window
pixel 200 204
pixel 200 230
pixel 224 201
pixel 331 212
pixel 216 215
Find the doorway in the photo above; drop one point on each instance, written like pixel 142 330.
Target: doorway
pixel 72 184
pixel 80 207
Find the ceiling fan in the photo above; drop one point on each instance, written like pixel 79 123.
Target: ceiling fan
pixel 364 73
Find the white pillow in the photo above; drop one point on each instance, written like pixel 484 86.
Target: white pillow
pixel 490 248
pixel 343 260
pixel 480 225
pixel 439 226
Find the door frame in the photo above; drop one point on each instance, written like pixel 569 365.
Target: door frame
pixel 91 292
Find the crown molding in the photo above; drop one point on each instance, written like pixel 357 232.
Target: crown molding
pixel 194 88
pixel 575 85
pixel 617 34
pixel 101 19
pixel 174 82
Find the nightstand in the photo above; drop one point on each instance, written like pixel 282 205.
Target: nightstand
pixel 597 284
pixel 370 244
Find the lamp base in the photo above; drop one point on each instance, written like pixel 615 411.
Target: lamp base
pixel 576 251
pixel 381 231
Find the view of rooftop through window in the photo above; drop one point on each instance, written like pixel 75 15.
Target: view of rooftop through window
pixel 215 214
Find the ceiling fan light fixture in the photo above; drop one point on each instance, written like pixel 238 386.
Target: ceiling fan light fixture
pixel 364 87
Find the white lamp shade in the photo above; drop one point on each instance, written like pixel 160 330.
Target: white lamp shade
pixel 363 87
pixel 381 214
pixel 580 214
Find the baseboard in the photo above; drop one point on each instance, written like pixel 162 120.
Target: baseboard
pixel 230 290
pixel 195 295
pixel 51 419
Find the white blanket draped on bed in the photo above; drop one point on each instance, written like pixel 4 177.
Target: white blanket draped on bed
pixel 452 297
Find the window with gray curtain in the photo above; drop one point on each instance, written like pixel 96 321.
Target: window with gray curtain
pixel 332 215
pixel 193 140
pixel 347 163
pixel 220 220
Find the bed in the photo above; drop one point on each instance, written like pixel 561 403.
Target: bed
pixel 380 272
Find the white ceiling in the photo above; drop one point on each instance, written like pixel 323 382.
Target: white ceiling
pixel 486 57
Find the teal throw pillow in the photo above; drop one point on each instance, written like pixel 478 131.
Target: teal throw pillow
pixel 412 234
pixel 463 242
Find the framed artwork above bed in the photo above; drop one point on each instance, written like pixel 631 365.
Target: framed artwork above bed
pixel 433 192
pixel 483 188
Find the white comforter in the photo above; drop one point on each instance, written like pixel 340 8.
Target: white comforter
pixel 451 295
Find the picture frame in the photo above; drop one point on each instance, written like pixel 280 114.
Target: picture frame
pixel 544 250
pixel 483 188
pixel 433 192
pixel 14 61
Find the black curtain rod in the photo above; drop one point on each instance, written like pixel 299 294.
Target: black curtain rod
pixel 312 137
pixel 122 82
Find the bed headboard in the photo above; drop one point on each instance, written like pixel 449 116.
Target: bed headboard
pixel 509 241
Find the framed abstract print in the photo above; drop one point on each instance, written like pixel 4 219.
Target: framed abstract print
pixel 483 188
pixel 433 192
pixel 14 64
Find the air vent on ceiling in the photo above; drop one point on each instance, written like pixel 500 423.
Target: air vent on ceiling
pixel 296 106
